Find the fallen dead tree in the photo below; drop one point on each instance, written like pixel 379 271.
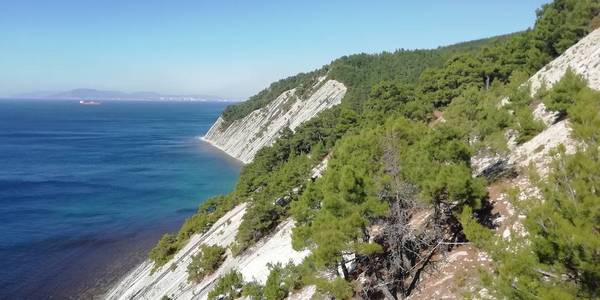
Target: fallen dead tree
pixel 411 235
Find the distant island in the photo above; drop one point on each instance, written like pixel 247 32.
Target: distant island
pixel 86 94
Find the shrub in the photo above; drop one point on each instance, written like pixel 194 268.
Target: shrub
pixel 585 116
pixel 253 290
pixel 208 213
pixel 164 250
pixel 228 287
pixel 206 262
pixel 338 288
pixel 562 94
pixel 281 281
pixel 526 125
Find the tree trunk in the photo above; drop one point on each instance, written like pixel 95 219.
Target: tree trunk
pixel 344 269
pixel 386 293
pixel 417 274
pixel 365 234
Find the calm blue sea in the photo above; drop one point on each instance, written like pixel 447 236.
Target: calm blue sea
pixel 85 191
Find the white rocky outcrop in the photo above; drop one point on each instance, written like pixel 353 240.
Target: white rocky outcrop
pixel 534 151
pixel 171 279
pixel 583 58
pixel 543 114
pixel 244 137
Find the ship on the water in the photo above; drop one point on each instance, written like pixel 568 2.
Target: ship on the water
pixel 89 102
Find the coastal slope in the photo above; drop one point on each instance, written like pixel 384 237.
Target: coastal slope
pixel 171 279
pixel 244 137
pixel 458 272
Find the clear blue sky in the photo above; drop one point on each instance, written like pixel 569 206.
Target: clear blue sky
pixel 227 48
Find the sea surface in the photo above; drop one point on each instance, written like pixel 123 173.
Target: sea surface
pixel 86 191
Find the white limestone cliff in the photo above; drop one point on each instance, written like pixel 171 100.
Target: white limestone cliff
pixel 171 279
pixel 244 137
pixel 583 58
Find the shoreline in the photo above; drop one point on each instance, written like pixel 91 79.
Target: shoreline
pixel 132 253
pixel 221 150
pixel 140 266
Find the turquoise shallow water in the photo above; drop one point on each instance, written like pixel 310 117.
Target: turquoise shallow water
pixel 85 191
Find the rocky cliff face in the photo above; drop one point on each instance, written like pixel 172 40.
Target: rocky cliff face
pixel 241 139
pixel 583 58
pixel 244 137
pixel 171 279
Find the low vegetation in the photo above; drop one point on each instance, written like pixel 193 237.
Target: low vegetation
pixel 207 261
pixel 208 213
pixel 228 287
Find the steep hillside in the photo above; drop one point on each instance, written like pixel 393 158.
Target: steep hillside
pixel 409 206
pixel 245 128
pixel 458 272
pixel 244 137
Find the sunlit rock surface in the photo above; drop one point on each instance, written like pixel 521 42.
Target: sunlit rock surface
pixel 244 137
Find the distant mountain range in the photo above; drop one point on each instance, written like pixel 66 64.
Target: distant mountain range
pixel 93 94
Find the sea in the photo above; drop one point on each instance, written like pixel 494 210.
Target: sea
pixel 87 190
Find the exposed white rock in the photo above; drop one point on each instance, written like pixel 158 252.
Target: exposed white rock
pixel 504 101
pixel 253 264
pixel 489 165
pixel 274 249
pixel 583 58
pixel 542 113
pixel 537 149
pixel 244 137
pixel 317 171
pixel 141 284
pixel 533 151
pixel 511 139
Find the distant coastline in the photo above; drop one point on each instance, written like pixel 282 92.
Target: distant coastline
pixel 103 95
pixel 118 100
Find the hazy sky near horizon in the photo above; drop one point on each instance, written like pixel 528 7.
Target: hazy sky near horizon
pixel 226 48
